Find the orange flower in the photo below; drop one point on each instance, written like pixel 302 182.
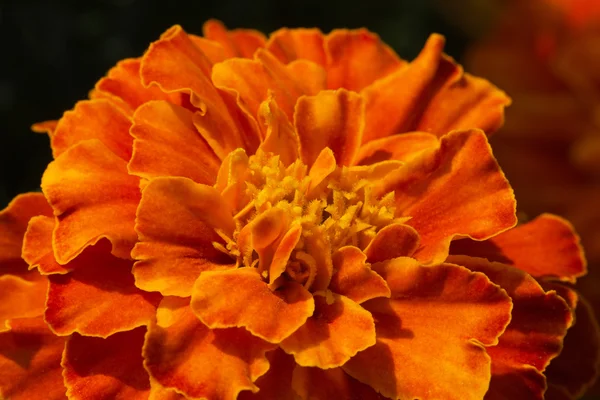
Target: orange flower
pixel 236 217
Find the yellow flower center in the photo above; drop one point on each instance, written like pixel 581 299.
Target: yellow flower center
pixel 313 211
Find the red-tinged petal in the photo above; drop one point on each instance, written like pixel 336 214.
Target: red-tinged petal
pixel 13 225
pixel 182 353
pixel 168 144
pixel 331 119
pixel 297 44
pixel 158 392
pixel 237 42
pixel 555 392
pixel 431 332
pixel 316 383
pixel 338 329
pixel 465 195
pixel 176 223
pixel 30 361
pixel 277 382
pixel 46 127
pixel 346 52
pixel 509 383
pixel 548 246
pixel 578 365
pixel 395 240
pixel 37 247
pixel 353 277
pixel 436 98
pixel 535 334
pixel 93 197
pixel 249 303
pixel 280 136
pixel 176 64
pixel 401 147
pixel 123 86
pixel 98 299
pixel 20 298
pixel 110 368
pixel 94 119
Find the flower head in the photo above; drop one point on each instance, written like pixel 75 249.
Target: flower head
pixel 236 217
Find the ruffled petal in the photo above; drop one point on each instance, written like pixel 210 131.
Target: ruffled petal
pixel 509 383
pixel 395 240
pixel 578 365
pixel 177 64
pixel 548 246
pixel 338 329
pixel 277 382
pixel 168 144
pixel 240 298
pixel 30 357
pixel 94 119
pixel 98 299
pixel 280 136
pixel 535 334
pixel 176 223
pixel 436 97
pixel 37 247
pixel 297 44
pixel 158 392
pixel 402 147
pixel 110 367
pixel 458 190
pixel 316 383
pixel 13 225
pixel 353 277
pixel 123 86
pixel 182 353
pixel 237 42
pixel 20 298
pixel 346 52
pixel 93 197
pixel 332 119
pixel 431 332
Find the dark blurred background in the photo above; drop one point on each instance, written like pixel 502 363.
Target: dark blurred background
pixel 53 52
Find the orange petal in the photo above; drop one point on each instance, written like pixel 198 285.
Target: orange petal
pixel 545 247
pixel 94 119
pixel 158 392
pixel 182 353
pixel 283 252
pixel 338 329
pixel 297 44
pixel 395 240
pixel 46 127
pixel 237 42
pixel 37 247
pixel 578 365
pixel 535 334
pixel 401 147
pixel 510 383
pixel 240 298
pixel 176 223
pixel 93 197
pixel 310 77
pixel 176 64
pixel 323 166
pixel 436 97
pixel 123 86
pixel 346 52
pixel 30 361
pixel 277 382
pixel 110 367
pixel 331 119
pixel 353 277
pixel 13 224
pixel 98 299
pixel 316 383
pixel 168 144
pixel 465 195
pixel 431 332
pixel 280 136
pixel 20 298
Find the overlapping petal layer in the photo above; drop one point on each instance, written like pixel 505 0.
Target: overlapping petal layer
pixel 435 325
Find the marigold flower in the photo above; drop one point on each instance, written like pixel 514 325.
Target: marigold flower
pixel 232 216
